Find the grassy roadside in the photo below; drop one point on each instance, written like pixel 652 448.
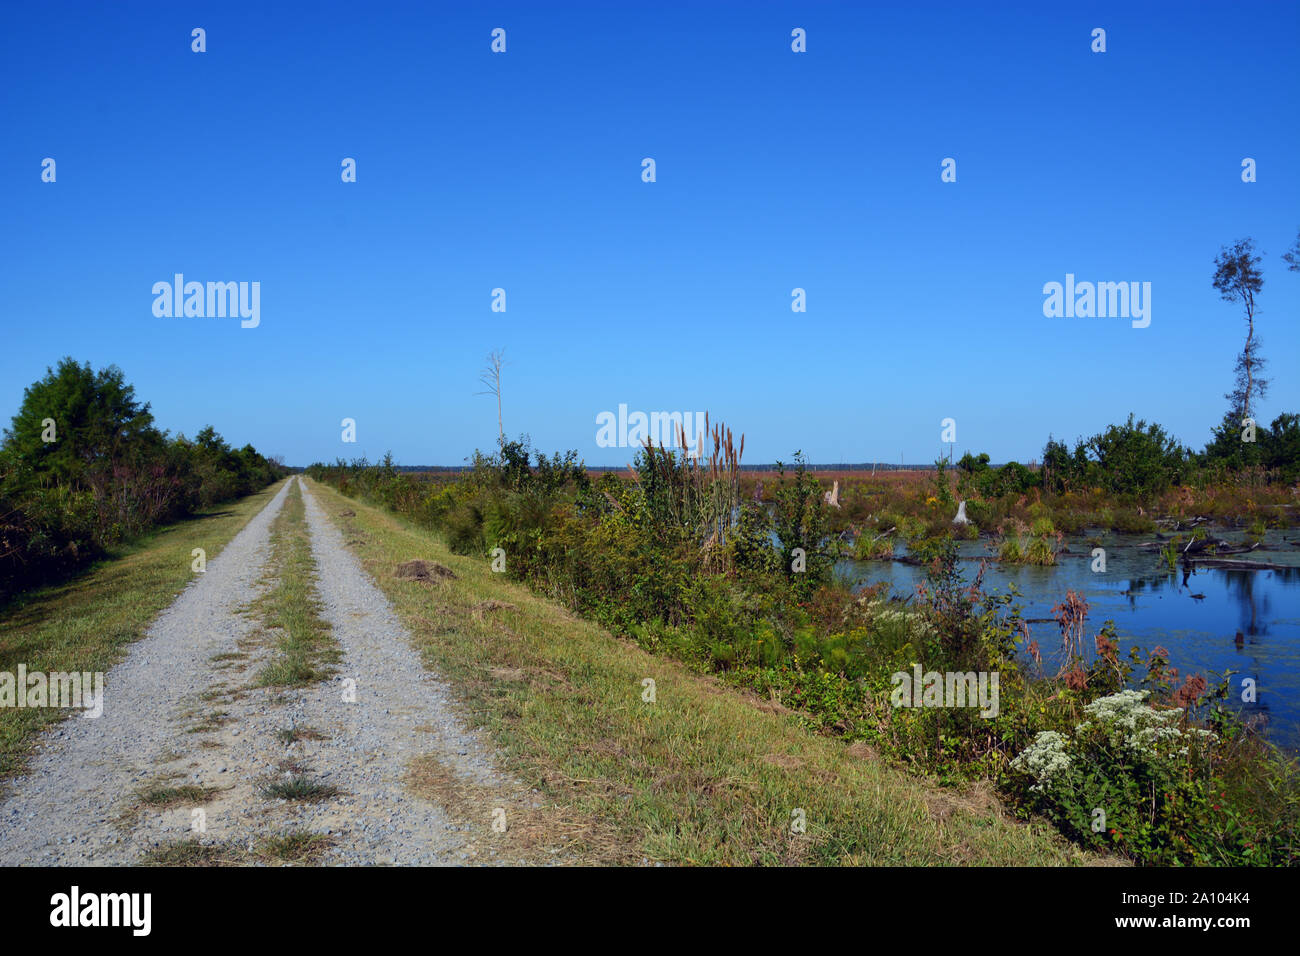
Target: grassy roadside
pixel 86 623
pixel 703 775
pixel 305 650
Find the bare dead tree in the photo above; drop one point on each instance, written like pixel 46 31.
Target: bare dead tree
pixel 491 378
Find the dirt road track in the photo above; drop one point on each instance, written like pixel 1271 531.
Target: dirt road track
pixel 175 717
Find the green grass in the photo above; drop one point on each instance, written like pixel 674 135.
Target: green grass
pixel 298 787
pixel 162 797
pixel 305 647
pixel 705 775
pixel 86 623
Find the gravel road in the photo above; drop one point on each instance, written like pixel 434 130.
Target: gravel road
pixel 183 709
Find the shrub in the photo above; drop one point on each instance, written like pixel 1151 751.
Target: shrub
pixel 1012 478
pixel 751 543
pixel 1129 761
pixel 1137 458
pixel 799 520
pixel 970 464
pixel 980 513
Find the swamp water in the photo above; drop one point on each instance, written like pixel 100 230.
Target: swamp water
pixel 1194 616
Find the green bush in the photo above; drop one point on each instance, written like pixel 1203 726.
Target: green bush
pixel 1012 478
pixel 751 544
pixel 1130 778
pixel 799 520
pixel 980 513
pixel 1138 459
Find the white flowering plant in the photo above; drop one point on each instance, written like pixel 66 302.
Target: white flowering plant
pixel 1125 760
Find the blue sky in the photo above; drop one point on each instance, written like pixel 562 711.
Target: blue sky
pixel 775 170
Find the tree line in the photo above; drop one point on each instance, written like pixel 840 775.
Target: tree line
pixel 83 467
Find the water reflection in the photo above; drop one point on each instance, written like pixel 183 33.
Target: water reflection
pixel 1195 613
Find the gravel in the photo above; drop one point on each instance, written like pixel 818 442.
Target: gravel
pixel 172 715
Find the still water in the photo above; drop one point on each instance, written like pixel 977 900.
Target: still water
pixel 1195 616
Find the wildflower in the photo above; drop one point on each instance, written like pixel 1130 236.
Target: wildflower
pixel 1045 760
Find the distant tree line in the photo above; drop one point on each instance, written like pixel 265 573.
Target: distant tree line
pixel 1137 458
pixel 83 467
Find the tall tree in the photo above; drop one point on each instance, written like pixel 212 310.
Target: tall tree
pixel 1238 278
pixel 75 421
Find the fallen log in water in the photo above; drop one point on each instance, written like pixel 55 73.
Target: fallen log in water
pixel 1204 544
pixel 1237 563
pixel 1177 524
pixel 1222 547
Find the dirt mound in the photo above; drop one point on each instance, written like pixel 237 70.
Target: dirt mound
pixel 862 751
pixel 784 761
pixel 423 570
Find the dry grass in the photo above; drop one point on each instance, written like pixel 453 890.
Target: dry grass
pixel 296 848
pixel 295 733
pixel 535 831
pixel 299 847
pixel 194 853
